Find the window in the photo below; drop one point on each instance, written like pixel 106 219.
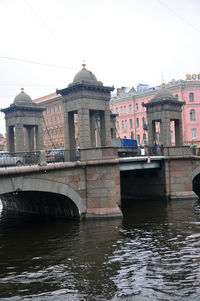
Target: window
pixel 136 106
pixel 121 110
pixel 55 109
pixel 137 122
pixel 124 109
pixel 59 108
pixel 192 115
pixel 176 96
pixel 118 125
pixel 131 123
pixel 122 124
pixel 125 124
pixel 116 110
pixel 142 106
pixel 138 139
pixel 191 96
pixel 144 138
pixel 130 108
pixel 143 122
pixel 193 133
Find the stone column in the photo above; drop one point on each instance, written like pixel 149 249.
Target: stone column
pixel 165 132
pixel 84 128
pixel 19 138
pixel 30 138
pixel 39 136
pixel 72 141
pixel 93 126
pixel 178 132
pixel 107 126
pixel 151 132
pixel 10 142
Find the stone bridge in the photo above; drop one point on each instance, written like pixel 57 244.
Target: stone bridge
pixel 97 188
pixel 72 190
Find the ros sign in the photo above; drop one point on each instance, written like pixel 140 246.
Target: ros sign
pixel 193 76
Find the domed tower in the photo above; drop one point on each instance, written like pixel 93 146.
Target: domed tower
pixel 24 124
pixel 88 99
pixel 163 109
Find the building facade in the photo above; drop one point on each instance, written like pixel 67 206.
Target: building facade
pixel 128 106
pixel 131 120
pixel 53 121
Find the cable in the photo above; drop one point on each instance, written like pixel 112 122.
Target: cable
pixel 50 30
pixel 178 16
pixel 49 133
pixel 36 63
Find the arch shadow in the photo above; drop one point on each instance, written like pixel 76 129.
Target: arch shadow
pixel 16 188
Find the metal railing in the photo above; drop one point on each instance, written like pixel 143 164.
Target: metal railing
pixel 65 155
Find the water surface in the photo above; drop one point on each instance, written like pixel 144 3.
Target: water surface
pixel 153 253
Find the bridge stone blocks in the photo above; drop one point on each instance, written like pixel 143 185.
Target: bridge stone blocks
pixel 178 176
pixel 73 190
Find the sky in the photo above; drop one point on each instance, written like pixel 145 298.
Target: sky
pixel 123 42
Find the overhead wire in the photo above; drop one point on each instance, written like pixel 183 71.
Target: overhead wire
pixel 48 28
pixel 178 15
pixel 35 62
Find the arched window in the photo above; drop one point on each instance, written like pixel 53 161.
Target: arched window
pixel 130 108
pixel 131 123
pixel 143 121
pixel 136 106
pixel 137 122
pixel 144 138
pixel 124 109
pixel 191 96
pixel 192 115
pixel 122 124
pixel 176 96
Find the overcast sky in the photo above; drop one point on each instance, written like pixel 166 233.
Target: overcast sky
pixel 124 43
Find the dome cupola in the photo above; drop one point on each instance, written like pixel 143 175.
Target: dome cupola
pixel 85 76
pixel 22 99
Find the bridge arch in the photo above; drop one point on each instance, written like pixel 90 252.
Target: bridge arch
pixel 196 180
pixel 13 190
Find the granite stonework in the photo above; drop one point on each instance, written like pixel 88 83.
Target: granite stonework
pixel 24 125
pixel 162 109
pixel 83 189
pixel 89 100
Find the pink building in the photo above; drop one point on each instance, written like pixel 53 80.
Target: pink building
pixel 131 119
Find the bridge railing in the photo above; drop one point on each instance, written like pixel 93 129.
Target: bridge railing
pixel 158 151
pixel 66 155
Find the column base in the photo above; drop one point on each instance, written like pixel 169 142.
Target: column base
pixel 103 213
pixel 183 195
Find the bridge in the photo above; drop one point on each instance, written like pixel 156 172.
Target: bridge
pixel 97 188
pixel 96 182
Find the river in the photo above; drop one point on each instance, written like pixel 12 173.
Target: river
pixel 153 253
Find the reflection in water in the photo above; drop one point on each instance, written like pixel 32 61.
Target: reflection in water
pixel 153 253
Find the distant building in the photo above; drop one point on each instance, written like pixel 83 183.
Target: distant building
pixel 53 124
pixel 131 119
pixel 130 114
pixel 2 143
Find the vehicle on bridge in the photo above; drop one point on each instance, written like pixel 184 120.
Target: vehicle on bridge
pixel 126 147
pixel 10 159
pixel 55 155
